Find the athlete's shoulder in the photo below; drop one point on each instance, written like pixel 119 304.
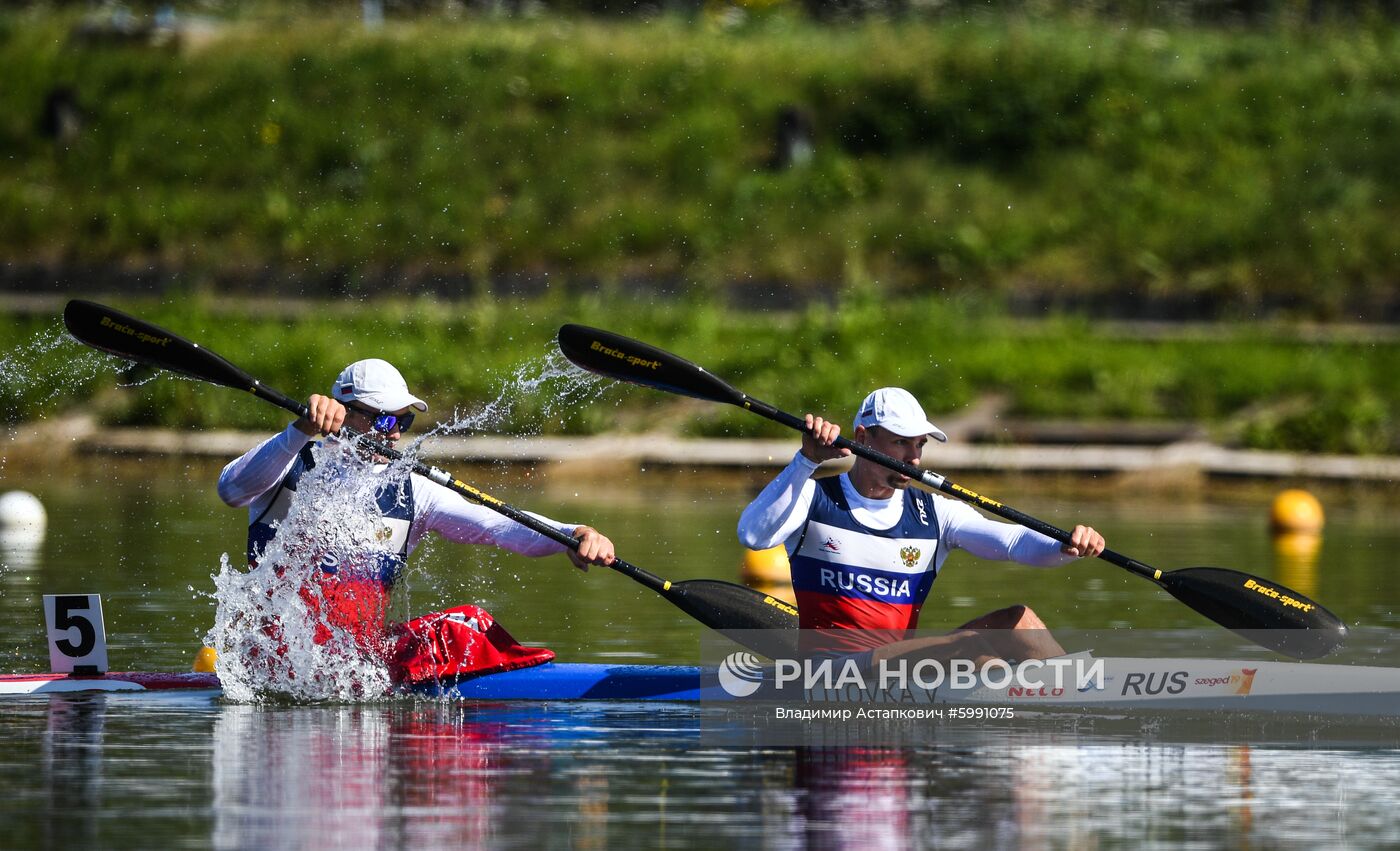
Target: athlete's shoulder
pixel 427 492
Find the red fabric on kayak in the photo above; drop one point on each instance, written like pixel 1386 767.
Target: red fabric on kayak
pixel 461 642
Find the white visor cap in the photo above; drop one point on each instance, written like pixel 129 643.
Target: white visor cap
pixel 376 384
pixel 896 409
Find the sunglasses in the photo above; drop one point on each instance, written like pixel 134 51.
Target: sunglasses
pixel 385 423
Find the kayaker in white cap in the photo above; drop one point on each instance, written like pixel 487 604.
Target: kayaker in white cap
pixel 865 548
pixel 370 396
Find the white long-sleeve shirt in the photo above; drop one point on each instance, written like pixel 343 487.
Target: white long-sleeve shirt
pixel 253 478
pixel 779 513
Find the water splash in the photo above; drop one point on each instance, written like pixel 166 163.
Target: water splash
pixel 53 362
pixel 272 638
pixel 271 628
pixel 561 385
pixel 557 387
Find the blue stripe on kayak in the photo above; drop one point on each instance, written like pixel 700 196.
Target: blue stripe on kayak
pixel 566 681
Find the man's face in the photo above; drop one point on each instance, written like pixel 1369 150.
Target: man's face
pixel 362 420
pixel 910 450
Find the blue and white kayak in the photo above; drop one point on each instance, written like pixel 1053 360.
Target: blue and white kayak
pixel 552 681
pixel 1125 684
pixel 578 681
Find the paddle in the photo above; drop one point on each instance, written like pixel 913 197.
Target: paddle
pixel 1261 610
pixel 719 605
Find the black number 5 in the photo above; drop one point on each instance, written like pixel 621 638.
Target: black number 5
pixel 64 619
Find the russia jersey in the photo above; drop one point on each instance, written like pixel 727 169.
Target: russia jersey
pixel 848 576
pixel 395 504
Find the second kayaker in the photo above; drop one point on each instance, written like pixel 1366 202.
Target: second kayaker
pixel 865 548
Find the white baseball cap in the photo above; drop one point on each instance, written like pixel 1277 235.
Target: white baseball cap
pixel 897 410
pixel 377 384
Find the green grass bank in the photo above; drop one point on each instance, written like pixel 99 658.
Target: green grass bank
pixel 1249 385
pixel 1062 160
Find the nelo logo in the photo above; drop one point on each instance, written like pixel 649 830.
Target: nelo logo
pixel 740 674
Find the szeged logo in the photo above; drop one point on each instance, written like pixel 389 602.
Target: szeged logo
pixel 740 674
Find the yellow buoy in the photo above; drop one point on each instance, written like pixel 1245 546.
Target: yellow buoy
pixel 768 566
pixel 1296 511
pixel 205 660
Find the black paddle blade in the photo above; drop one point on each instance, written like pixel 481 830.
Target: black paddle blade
pixel 625 359
pixel 725 605
pixel 125 336
pixel 758 621
pixel 1265 612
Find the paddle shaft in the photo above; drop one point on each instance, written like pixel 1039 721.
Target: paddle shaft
pixel 447 480
pixel 942 484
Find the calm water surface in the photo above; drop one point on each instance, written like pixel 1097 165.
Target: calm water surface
pixel 121 771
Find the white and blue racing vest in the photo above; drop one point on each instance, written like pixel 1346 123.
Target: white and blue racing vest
pixel 849 576
pixel 395 503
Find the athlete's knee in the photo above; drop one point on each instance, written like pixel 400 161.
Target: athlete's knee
pixel 1019 616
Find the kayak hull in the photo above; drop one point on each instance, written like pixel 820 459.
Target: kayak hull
pixel 564 681
pixel 551 681
pixel 123 681
pixel 1126 684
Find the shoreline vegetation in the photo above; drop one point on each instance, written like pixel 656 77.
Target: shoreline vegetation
pixel 1060 161
pixel 954 203
pixel 492 366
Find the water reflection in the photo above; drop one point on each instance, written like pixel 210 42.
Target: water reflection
pixel 858 797
pixel 1295 560
pixel 20 550
pixel 117 770
pixel 424 774
pixel 72 768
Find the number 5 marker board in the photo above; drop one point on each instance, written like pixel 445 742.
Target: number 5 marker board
pixel 77 637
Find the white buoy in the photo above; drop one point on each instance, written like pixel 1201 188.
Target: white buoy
pixel 22 516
